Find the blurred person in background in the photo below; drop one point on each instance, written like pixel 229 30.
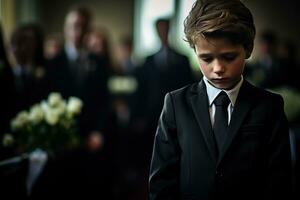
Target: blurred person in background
pixel 23 84
pixel 127 63
pixel 97 42
pixel 87 171
pixel 53 46
pixel 25 81
pixel 287 54
pixel 162 72
pixel 77 72
pixel 124 93
pixel 266 70
pixel 29 67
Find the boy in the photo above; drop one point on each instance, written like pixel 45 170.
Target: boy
pixel 221 137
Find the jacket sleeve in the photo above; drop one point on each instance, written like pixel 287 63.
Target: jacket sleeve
pixel 164 169
pixel 278 155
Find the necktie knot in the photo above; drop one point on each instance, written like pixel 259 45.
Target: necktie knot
pixel 222 100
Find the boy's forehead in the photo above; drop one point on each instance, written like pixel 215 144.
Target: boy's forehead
pixel 208 44
pixel 214 42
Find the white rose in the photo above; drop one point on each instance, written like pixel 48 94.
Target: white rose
pixel 7 140
pixel 20 121
pixel 44 106
pixel 74 105
pixel 54 99
pixel 15 124
pixel 36 114
pixel 52 117
pixel 23 116
pixel 60 108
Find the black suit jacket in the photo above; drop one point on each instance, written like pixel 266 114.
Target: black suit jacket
pixel 255 159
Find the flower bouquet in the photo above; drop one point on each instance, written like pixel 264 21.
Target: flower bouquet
pixel 50 125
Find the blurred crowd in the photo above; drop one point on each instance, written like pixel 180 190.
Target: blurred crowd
pixel 277 63
pixel 122 101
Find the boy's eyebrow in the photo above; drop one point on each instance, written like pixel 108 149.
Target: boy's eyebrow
pixel 204 55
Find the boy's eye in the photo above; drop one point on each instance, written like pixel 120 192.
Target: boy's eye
pixel 229 57
pixel 208 59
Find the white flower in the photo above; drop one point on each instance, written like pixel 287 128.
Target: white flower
pixel 44 106
pixel 59 109
pixel 16 124
pixel 54 113
pixel 52 117
pixel 74 105
pixel 7 140
pixel 36 114
pixel 20 121
pixel 54 99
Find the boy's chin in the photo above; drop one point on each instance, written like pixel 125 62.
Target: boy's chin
pixel 224 86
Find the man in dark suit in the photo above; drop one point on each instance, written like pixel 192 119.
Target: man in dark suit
pixel 76 72
pixel 221 137
pixel 162 72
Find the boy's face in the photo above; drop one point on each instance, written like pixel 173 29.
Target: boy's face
pixel 221 62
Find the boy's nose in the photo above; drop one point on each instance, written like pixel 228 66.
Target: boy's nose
pixel 218 67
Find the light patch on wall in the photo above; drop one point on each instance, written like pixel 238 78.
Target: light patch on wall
pixel 147 11
pixel 185 7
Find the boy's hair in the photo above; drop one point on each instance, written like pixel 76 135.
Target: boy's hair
pixel 229 19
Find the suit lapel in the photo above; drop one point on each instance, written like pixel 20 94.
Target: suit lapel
pixel 199 101
pixel 243 105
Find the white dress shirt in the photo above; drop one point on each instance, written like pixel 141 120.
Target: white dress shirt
pixel 213 92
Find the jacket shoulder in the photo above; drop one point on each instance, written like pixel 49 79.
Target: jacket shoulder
pixel 185 89
pixel 183 93
pixel 262 94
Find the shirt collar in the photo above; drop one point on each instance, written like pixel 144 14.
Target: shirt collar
pixel 17 70
pixel 71 51
pixel 213 92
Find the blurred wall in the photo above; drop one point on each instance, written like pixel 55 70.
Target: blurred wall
pixel 7 17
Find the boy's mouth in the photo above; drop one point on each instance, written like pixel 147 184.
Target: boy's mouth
pixel 220 80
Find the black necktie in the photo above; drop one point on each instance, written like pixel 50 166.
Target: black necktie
pixel 221 118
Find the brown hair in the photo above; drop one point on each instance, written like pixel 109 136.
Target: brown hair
pixel 229 19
